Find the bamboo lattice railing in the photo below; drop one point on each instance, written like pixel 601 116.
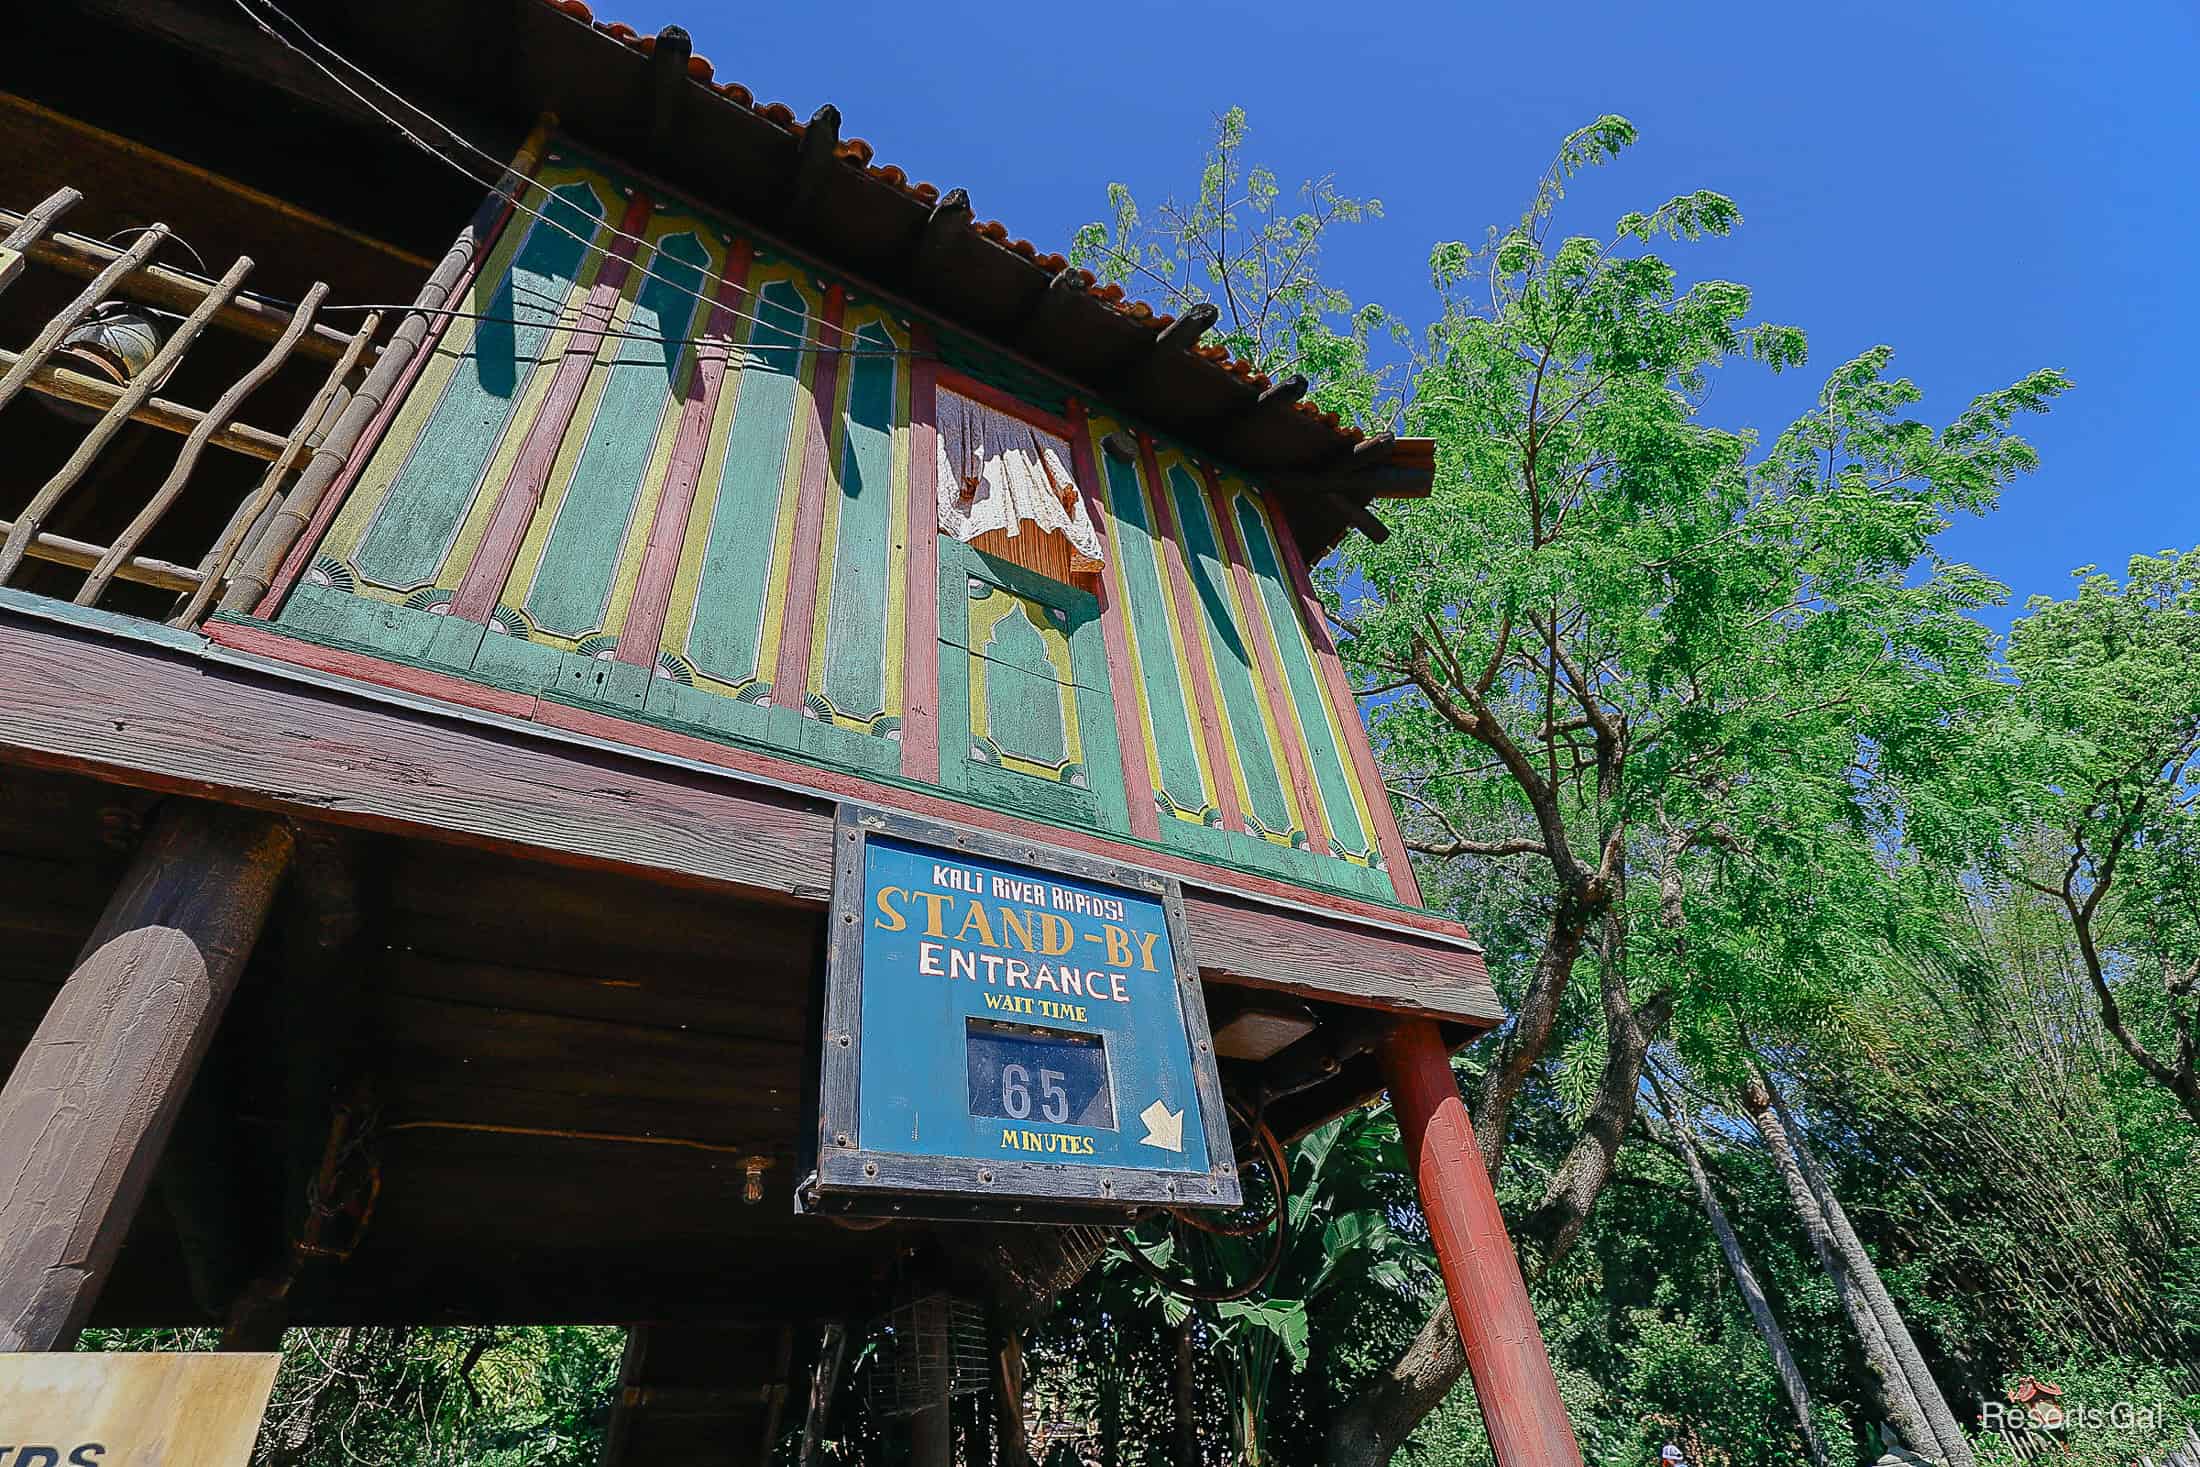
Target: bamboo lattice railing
pixel 34 238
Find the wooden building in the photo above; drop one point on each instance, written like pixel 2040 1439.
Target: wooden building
pixel 486 495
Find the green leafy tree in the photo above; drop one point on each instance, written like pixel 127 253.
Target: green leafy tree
pixel 1669 675
pixel 2105 756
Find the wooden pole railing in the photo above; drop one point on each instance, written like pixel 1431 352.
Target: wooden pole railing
pixel 291 332
pixel 157 285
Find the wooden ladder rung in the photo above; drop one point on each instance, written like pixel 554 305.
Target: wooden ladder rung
pixel 90 392
pixel 161 574
pixel 160 286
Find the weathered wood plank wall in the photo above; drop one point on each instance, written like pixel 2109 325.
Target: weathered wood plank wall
pixel 665 469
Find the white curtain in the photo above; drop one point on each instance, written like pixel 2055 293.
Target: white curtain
pixel 997 472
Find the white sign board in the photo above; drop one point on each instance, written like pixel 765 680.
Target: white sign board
pixel 114 1409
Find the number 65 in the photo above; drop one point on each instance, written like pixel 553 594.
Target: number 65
pixel 1016 1093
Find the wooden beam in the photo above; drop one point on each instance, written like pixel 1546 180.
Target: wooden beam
pixel 385 761
pixel 88 1109
pixel 1359 517
pixel 1378 481
pixel 1053 307
pixel 1184 332
pixel 54 133
pixel 162 575
pixel 945 228
pixel 815 156
pixel 157 285
pixel 158 412
pixel 31 228
pixel 668 80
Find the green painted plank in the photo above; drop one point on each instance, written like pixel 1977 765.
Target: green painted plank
pixel 360 623
pixel 1175 739
pixel 1232 656
pixel 414 525
pixel 1023 696
pixel 457 642
pixel 848 749
pixel 861 558
pixel 1096 726
pixel 599 682
pixel 737 558
pixel 1025 794
pixel 1307 693
pixel 676 703
pixel 516 664
pixel 572 586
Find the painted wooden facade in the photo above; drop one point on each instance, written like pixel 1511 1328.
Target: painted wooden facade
pixel 664 470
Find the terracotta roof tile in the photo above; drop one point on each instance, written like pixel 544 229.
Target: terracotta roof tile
pixel 859 153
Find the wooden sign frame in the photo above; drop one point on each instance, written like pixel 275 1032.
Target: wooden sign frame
pixel 850 1178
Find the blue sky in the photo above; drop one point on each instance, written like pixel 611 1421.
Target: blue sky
pixel 1987 188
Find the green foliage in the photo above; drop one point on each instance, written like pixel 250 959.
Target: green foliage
pixel 501 1397
pixel 2146 1413
pixel 1239 246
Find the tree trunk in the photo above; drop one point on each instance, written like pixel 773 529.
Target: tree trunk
pixel 1900 1398
pixel 1792 1384
pixel 1529 1036
pixel 1555 1223
pixel 1955 1447
pixel 1377 1421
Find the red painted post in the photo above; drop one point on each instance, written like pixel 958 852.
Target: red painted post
pixel 1489 1300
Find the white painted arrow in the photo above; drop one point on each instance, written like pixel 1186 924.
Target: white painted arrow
pixel 1164 1127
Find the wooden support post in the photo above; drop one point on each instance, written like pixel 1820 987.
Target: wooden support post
pixel 1008 1395
pixel 85 1115
pixel 1513 1381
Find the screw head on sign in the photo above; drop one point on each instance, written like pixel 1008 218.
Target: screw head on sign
pixel 841 1139
pixel 841 1040
pixel 986 1177
pixel 870 1168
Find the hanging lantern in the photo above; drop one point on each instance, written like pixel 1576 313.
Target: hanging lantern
pixel 114 344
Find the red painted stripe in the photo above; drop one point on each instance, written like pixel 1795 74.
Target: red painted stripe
pixel 767 769
pixel 339 489
pixel 1015 407
pixel 521 495
pixel 920 677
pixel 1280 702
pixel 791 676
pixel 1130 732
pixel 644 631
pixel 1347 703
pixel 1195 638
pixel 438 685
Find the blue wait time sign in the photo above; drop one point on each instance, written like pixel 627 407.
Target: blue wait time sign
pixel 1007 1025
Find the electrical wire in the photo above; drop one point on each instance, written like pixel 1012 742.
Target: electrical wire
pixel 519 204
pixel 1277 1224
